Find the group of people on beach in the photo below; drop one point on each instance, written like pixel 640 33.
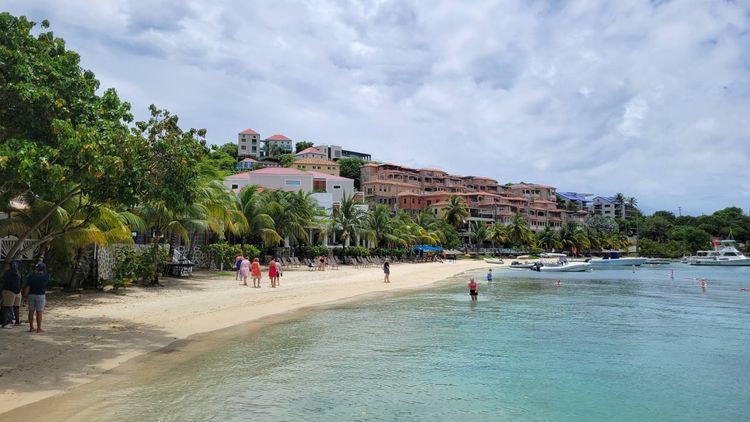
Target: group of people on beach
pixel 244 269
pixel 17 291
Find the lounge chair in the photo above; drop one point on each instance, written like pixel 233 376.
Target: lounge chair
pixel 332 263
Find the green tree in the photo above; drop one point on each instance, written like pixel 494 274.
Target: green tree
pixel 302 145
pixel 456 212
pixel 286 160
pixel 602 224
pixel 656 227
pixel 261 226
pixel 479 233
pixel 498 234
pixel 694 238
pixel 350 220
pixel 350 167
pixel 547 239
pixel 519 232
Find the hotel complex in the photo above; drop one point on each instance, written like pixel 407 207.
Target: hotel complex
pixel 316 170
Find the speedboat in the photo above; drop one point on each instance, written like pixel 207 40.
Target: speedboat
pixel 558 263
pixel 613 259
pixel 521 265
pixel 725 255
pixel 493 260
pixel 561 267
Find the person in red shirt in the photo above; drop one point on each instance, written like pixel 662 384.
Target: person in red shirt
pixel 473 292
pixel 255 272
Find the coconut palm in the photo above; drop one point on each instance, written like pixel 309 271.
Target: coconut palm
pixel 379 221
pixel 519 232
pixel 456 211
pixel 479 233
pixel 350 220
pixel 498 234
pixel 620 198
pixel 293 214
pixel 547 239
pixel 261 226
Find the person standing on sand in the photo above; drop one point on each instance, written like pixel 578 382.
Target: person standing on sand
pixel 322 261
pixel 244 270
pixel 11 296
pixel 473 292
pixel 36 295
pixel 278 272
pixel 387 271
pixel 272 272
pixel 237 263
pixel 255 270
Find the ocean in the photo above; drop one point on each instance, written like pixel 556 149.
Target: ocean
pixel 604 345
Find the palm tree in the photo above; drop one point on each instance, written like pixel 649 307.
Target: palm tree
pixel 547 239
pixel 351 221
pixel 620 199
pixel 519 232
pixel 498 234
pixel 456 211
pixel 380 223
pixel 293 214
pixel 261 226
pixel 479 233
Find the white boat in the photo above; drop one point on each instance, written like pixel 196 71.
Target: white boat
pixel 558 263
pixel 493 260
pixel 725 255
pixel 521 265
pixel 612 259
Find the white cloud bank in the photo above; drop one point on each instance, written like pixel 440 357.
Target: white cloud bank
pixel 649 99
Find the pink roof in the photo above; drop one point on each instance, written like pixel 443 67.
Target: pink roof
pixel 319 175
pixel 279 171
pixel 239 175
pixel 310 150
pixel 277 137
pixel 249 132
pixel 249 160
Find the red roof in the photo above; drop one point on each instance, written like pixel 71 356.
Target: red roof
pixel 278 171
pixel 239 175
pixel 319 175
pixel 249 132
pixel 310 150
pixel 277 137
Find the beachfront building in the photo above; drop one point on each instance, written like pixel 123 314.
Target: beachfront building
pixel 327 189
pixel 248 144
pixel 413 190
pixel 317 164
pixel 311 152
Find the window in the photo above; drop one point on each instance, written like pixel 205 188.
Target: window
pixel 337 186
pixel 235 186
pixel 243 147
pixel 292 183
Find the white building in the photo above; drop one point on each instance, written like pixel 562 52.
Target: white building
pixel 248 144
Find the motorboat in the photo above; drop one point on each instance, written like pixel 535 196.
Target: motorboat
pixel 493 260
pixel 725 255
pixel 558 263
pixel 521 265
pixel 612 259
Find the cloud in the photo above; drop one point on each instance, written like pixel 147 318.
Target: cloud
pixel 649 99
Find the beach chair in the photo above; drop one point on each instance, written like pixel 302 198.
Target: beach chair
pixel 332 263
pixel 360 262
pixel 296 262
pixel 310 266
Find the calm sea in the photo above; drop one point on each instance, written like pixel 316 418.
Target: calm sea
pixel 608 345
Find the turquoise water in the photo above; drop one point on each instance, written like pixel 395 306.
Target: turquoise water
pixel 608 345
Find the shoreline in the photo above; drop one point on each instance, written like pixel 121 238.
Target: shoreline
pixel 88 336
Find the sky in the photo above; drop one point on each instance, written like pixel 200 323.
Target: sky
pixel 651 99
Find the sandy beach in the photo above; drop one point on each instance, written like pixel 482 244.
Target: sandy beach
pixel 93 332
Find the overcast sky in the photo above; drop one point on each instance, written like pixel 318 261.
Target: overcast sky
pixel 651 99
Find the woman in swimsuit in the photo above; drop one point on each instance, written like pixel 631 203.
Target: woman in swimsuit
pixel 272 272
pixel 473 292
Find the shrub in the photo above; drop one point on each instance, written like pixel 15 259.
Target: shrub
pixel 132 265
pixel 312 251
pixel 250 251
pixel 222 254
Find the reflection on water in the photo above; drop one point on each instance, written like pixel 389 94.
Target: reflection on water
pixel 604 345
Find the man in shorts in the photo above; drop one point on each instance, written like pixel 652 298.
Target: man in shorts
pixel 36 295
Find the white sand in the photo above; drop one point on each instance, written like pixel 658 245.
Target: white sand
pixel 94 332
